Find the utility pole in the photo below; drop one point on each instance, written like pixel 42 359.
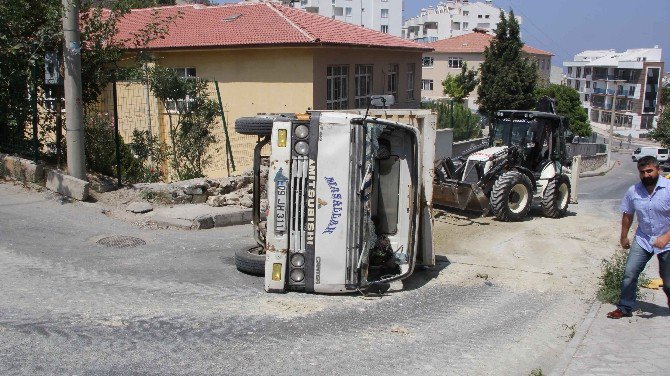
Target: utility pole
pixel 611 132
pixel 76 162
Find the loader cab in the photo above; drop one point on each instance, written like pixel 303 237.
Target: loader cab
pixel 539 137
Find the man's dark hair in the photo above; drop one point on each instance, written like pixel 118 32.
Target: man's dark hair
pixel 648 160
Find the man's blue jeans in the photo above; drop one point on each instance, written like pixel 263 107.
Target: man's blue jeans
pixel 637 260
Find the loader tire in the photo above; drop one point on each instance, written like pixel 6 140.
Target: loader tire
pixel 511 196
pixel 556 197
pixel 254 126
pixel 251 261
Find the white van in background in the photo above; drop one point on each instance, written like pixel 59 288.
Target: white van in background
pixel 658 153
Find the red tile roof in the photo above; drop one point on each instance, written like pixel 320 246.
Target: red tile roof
pixel 474 43
pixel 254 24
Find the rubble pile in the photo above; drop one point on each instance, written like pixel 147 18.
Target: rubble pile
pixel 234 190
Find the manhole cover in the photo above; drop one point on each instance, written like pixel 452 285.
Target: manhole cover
pixel 120 241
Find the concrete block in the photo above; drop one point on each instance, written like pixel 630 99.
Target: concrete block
pixel 139 207
pixel 67 185
pixel 21 169
pixel 203 222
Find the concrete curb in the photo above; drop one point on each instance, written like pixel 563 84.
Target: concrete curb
pixel 200 216
pixel 566 358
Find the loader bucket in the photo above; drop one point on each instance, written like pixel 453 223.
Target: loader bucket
pixel 460 195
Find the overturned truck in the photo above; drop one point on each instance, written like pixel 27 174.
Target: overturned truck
pixel 522 163
pixel 349 197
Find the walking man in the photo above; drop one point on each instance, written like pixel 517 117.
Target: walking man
pixel 649 200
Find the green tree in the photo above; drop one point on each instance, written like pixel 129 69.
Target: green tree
pixel 508 78
pixel 662 131
pixel 460 86
pixel 191 118
pixel 665 96
pixel 568 104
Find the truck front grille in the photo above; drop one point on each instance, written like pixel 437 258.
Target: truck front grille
pixel 299 169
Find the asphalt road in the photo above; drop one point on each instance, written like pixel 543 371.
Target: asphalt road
pixel 177 305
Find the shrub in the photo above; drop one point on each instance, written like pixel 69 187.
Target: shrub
pixel 612 276
pixel 466 124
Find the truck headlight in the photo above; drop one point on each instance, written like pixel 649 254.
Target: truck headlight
pixel 301 131
pixel 302 148
pixel 297 275
pixel 298 260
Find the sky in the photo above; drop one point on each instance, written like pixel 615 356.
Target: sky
pixel 567 27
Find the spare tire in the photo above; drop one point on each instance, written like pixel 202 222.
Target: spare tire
pixel 251 261
pixel 255 126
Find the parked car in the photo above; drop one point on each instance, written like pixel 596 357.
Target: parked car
pixel 659 153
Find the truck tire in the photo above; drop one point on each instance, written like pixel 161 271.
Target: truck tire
pixel 251 261
pixel 511 196
pixel 254 126
pixel 556 197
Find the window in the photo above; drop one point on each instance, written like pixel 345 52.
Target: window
pixel 647 122
pixel 347 11
pixel 579 72
pixel 385 13
pixel 411 69
pixel 479 16
pixel 586 97
pixel 181 103
pixel 455 62
pixel 631 91
pixel 569 70
pixel 392 80
pixel 587 71
pixel 569 82
pixel 465 26
pixel 486 16
pixel 427 61
pixel 577 84
pixel 588 84
pixel 466 13
pixel 337 88
pixel 384 29
pixel 426 84
pixel 363 85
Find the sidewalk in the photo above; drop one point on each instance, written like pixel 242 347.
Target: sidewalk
pixel 636 345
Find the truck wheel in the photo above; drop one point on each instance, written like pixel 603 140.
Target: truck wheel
pixel 254 126
pixel 251 260
pixel 511 196
pixel 556 197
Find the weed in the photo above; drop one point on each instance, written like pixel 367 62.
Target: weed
pixel 148 195
pixel 612 276
pixel 537 372
pixel 571 331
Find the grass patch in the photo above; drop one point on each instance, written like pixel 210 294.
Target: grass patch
pixel 155 197
pixel 612 276
pixel 537 372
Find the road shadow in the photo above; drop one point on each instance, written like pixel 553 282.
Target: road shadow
pixel 651 310
pixel 424 274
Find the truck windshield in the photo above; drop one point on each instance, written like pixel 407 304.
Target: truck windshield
pixel 510 132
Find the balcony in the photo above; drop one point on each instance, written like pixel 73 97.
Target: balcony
pixel 606 77
pixel 604 91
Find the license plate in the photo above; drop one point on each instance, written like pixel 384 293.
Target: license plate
pixel 280 206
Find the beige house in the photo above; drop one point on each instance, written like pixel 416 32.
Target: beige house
pixel 270 58
pixel 450 54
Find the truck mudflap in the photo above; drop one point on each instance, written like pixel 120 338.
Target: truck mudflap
pixel 460 195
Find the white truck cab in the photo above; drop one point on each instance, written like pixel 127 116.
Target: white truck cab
pixel 349 198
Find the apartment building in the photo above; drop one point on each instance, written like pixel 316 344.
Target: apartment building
pixel 449 55
pixel 379 15
pixel 452 18
pixel 625 85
